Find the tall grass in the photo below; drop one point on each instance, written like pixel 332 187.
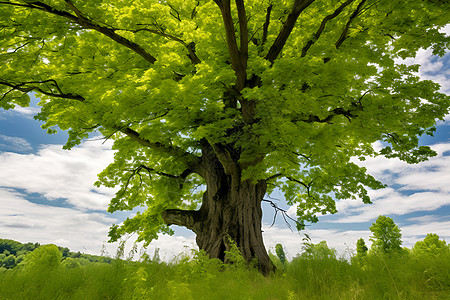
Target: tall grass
pixel 402 276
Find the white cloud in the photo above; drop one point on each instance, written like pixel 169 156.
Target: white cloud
pixel 393 204
pixel 25 112
pixel 419 187
pixel 171 247
pixel 17 144
pixel 432 68
pixel 25 221
pixel 419 230
pixel 425 224
pixel 56 173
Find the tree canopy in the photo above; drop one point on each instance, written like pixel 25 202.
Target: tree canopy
pixel 387 237
pixel 431 245
pixel 212 94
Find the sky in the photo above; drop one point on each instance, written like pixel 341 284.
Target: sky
pixel 47 193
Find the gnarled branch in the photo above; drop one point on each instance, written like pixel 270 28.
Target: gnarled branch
pixel 185 218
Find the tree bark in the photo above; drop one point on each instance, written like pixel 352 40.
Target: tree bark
pixel 231 208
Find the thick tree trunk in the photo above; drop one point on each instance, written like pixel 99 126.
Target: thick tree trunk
pixel 234 213
pixel 231 208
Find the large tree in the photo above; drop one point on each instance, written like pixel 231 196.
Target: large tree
pixel 212 104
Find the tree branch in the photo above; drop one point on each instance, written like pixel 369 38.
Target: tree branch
pixel 322 26
pixel 274 177
pixel 26 88
pixel 190 47
pixel 355 14
pixel 238 60
pixel 183 175
pixel 280 41
pixel 185 218
pixel 283 213
pixel 243 30
pixel 191 160
pixel 307 186
pixel 88 24
pixel 225 159
pixel 177 16
pixel 266 25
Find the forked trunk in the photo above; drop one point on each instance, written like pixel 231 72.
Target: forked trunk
pixel 231 208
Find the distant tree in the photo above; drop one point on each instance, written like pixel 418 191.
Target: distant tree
pixel 318 251
pixel 9 262
pixel 280 253
pixel 2 259
pixel 361 248
pixel 30 246
pixel 431 245
pixel 64 251
pixel 20 258
pixel 10 245
pixel 238 96
pixel 70 263
pixel 386 236
pixel 45 257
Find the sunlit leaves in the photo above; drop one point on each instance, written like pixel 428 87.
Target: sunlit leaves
pixel 313 112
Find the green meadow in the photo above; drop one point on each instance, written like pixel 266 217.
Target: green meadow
pixel 49 272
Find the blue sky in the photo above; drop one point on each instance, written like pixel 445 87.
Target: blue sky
pixel 47 193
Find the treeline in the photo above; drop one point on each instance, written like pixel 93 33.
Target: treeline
pixel 12 253
pixel 386 241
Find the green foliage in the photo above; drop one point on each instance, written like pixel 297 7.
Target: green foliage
pixel 161 79
pixel 361 248
pixel 18 252
pixel 386 236
pixel 431 245
pixel 280 253
pixel 361 254
pixel 319 251
pixel 44 257
pixel 315 276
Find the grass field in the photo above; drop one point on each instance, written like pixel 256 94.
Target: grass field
pixel 315 276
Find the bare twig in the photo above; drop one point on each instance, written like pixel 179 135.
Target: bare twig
pixel 283 213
